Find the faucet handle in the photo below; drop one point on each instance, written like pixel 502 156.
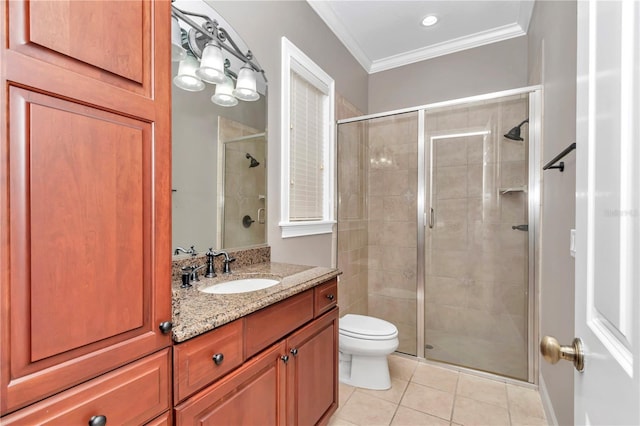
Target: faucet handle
pixel 211 272
pixel 225 263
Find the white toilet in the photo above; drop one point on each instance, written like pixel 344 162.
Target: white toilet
pixel 364 343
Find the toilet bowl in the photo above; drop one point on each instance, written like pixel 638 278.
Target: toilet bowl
pixel 364 343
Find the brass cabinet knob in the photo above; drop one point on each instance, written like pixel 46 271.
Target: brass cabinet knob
pixel 553 352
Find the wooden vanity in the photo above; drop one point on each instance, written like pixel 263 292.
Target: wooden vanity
pixel 276 366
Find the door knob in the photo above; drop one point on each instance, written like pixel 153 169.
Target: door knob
pixel 553 352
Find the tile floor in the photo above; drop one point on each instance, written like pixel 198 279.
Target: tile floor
pixel 423 394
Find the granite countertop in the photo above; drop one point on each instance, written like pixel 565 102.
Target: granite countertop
pixel 195 312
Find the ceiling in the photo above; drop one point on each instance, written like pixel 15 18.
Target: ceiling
pixel 385 34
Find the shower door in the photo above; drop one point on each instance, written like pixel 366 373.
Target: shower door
pixel 476 239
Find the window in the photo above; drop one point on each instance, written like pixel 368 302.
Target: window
pixel 308 134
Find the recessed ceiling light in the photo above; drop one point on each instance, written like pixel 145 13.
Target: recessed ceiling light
pixel 429 20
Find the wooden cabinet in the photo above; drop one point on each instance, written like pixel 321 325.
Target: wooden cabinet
pixel 325 297
pixel 290 373
pixel 312 391
pixel 253 395
pixel 269 325
pixel 132 394
pixel 200 361
pixel 85 253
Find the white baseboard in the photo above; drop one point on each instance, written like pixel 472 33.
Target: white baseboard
pixel 546 404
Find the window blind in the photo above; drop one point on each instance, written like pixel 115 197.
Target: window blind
pixel 306 165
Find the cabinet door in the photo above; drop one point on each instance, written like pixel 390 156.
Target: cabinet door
pixel 84 191
pixel 131 395
pixel 252 395
pixel 312 372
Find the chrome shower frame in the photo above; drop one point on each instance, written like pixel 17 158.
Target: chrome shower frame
pixel 533 212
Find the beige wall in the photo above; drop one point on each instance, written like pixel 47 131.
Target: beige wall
pixel 552 55
pixel 485 69
pixel 261 25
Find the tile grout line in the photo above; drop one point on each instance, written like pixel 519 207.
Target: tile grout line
pixel 403 393
pixel 402 396
pixel 506 390
pixel 455 397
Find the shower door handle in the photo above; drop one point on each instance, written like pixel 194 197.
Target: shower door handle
pixel 524 227
pixel 431 217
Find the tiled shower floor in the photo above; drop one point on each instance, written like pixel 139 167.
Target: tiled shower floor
pixel 423 394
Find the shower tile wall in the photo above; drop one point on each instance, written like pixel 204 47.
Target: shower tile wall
pixel 476 264
pixel 244 187
pixel 392 230
pixel 352 211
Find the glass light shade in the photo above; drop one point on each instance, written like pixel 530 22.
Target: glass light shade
pixel 186 78
pixel 212 64
pixel 246 85
pixel 177 51
pixel 224 94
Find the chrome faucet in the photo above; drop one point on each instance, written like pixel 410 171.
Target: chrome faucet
pixel 226 269
pixel 192 251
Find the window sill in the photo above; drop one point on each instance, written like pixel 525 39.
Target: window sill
pixel 301 229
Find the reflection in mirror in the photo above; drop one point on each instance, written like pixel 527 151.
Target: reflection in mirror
pixel 219 146
pixel 243 207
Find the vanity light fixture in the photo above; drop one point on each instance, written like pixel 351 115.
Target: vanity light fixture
pixel 224 94
pixel 177 51
pixel 212 64
pixel 246 85
pixel 187 78
pixel 429 20
pixel 206 42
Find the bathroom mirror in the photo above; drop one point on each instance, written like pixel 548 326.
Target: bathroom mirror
pixel 219 162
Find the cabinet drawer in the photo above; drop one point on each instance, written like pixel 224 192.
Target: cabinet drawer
pixel 254 394
pixel 326 297
pixel 272 323
pixel 201 360
pixel 133 394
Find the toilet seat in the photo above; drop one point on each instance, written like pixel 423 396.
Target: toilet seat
pixel 366 328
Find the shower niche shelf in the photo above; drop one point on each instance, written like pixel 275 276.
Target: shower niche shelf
pixel 505 191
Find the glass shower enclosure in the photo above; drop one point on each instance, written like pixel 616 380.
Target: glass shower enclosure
pixel 451 208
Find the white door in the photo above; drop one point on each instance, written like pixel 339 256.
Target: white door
pixel 607 310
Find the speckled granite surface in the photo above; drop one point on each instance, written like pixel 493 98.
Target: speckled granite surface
pixel 195 312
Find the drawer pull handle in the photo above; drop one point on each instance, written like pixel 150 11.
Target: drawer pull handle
pixel 165 327
pixel 285 358
pixel 218 358
pixel 294 352
pixel 98 420
pixel 330 296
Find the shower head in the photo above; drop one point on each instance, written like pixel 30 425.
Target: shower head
pixel 254 162
pixel 514 134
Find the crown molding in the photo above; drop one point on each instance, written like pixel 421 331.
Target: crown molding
pixel 456 45
pixel 327 14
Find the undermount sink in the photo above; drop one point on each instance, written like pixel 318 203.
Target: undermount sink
pixel 243 285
